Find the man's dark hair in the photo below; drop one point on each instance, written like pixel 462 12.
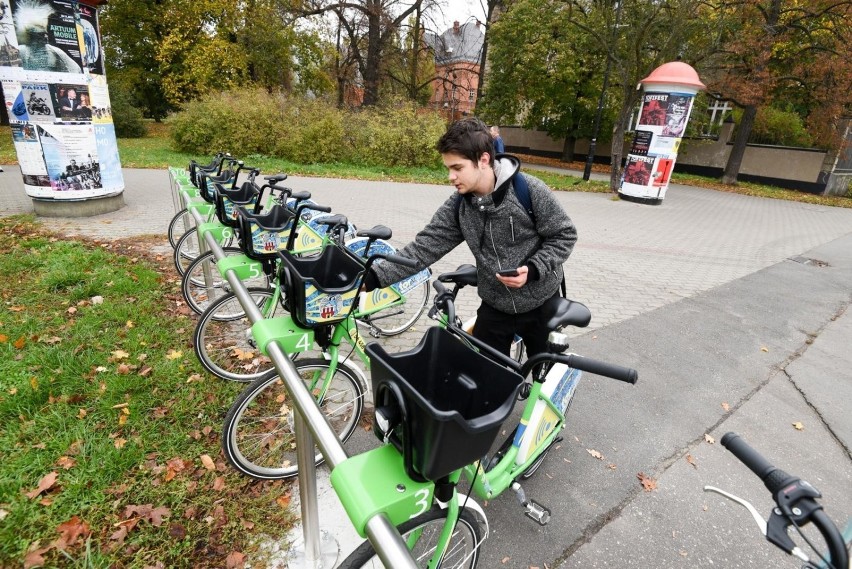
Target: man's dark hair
pixel 468 137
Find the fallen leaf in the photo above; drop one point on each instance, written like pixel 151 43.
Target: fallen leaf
pixel 798 426
pixel 66 462
pixel 208 462
pixel 725 406
pixel 764 349
pixel 97 300
pixel 709 439
pixel 16 308
pixel 119 355
pixel 219 483
pixel 505 560
pixel 595 453
pixel 119 443
pixel 71 310
pixel 19 343
pixel 177 531
pixel 174 354
pixel 52 340
pixel 81 414
pixel 34 383
pixel 73 529
pixel 691 461
pixel 129 324
pixel 283 500
pixel 647 482
pixel 235 559
pixel 123 369
pixel 3 338
pixel 46 483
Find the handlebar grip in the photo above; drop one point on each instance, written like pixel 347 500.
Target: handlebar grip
pixel 774 478
pixel 400 260
pixel 439 287
pixel 621 373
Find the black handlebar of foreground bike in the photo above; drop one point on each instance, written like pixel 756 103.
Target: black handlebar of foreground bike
pixel 795 498
pixel 445 298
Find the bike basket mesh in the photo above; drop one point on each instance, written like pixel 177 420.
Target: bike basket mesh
pixel 454 402
pixel 322 289
pixel 262 236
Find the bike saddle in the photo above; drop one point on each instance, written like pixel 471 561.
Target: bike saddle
pixel 377 232
pixel 332 220
pixel 275 218
pixel 561 312
pixel 275 178
pixel 464 274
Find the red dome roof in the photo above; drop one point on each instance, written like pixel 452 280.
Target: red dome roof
pixel 675 73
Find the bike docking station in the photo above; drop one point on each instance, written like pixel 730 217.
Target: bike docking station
pixel 666 103
pixel 317 549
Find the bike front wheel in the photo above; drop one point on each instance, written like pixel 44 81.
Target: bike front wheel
pixel 223 341
pixel 398 318
pixel 258 436
pixel 424 531
pixel 182 222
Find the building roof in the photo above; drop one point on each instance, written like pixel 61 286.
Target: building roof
pixel 459 43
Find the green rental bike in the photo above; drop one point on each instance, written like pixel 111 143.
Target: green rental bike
pixel 440 407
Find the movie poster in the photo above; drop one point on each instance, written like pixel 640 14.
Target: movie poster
pixel 51 68
pixel 662 123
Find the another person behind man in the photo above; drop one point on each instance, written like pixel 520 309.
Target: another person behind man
pixel 499 147
pixel 487 214
pixel 68 104
pixel 84 110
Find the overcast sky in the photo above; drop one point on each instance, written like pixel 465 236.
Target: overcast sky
pixel 461 10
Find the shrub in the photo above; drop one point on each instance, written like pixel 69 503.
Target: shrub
pixel 778 127
pixel 307 131
pixel 241 122
pixel 127 119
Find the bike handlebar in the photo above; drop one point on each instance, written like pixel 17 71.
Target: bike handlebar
pixel 621 373
pixel 795 498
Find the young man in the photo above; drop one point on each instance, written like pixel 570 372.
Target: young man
pixel 501 234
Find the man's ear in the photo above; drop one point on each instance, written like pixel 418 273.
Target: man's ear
pixel 484 160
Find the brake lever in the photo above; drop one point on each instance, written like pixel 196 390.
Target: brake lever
pixel 762 524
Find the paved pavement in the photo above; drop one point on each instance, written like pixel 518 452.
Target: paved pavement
pixel 735 311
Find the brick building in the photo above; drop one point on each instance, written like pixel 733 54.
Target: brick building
pixel 458 53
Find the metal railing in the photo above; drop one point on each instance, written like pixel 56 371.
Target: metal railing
pixel 311 427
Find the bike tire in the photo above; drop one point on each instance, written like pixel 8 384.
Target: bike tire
pixel 463 550
pixel 187 250
pixel 199 294
pixel 222 339
pixel 397 319
pixel 258 438
pixel 182 222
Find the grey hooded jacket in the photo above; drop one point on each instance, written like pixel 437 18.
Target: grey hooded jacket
pixel 501 235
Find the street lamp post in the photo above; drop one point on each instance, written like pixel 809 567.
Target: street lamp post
pixel 597 125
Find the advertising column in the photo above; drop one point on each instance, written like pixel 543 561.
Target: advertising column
pixel 55 90
pixel 666 103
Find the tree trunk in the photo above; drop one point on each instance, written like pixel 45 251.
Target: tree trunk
pixel 617 152
pixel 735 160
pixel 374 52
pixel 568 148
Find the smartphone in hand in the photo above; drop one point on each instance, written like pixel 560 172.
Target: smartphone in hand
pixel 508 273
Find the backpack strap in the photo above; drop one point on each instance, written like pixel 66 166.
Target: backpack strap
pixel 522 192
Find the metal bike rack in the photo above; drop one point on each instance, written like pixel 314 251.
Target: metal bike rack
pixel 311 427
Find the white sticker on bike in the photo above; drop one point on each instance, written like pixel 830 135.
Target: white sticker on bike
pixel 423 502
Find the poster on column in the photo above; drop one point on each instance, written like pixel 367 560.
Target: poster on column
pixel 659 132
pixel 52 73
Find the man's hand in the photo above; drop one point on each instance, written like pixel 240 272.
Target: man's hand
pixel 517 281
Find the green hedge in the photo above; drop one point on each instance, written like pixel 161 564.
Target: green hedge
pixel 307 131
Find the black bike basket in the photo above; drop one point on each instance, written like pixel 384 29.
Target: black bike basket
pixel 321 290
pixel 453 401
pixel 228 200
pixel 263 235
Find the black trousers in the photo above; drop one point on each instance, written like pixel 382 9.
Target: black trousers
pixel 498 329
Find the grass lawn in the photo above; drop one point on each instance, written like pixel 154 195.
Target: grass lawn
pixel 110 438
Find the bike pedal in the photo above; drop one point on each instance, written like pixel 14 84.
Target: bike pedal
pixel 537 512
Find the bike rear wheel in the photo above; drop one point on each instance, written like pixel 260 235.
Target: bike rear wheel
pixel 187 249
pixel 399 318
pixel 223 342
pixel 258 438
pixel 462 551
